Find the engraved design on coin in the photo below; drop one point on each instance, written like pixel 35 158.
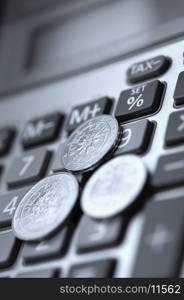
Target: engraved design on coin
pixel 45 206
pixel 114 187
pixel 90 142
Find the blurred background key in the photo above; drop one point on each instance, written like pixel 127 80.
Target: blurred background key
pixel 95 235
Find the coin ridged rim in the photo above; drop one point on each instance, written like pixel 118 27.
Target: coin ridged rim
pixel 100 173
pixel 109 147
pixel 16 222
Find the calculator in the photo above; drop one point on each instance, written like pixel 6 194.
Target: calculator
pixel 63 64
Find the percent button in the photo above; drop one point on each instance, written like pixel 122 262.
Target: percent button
pixel 133 101
pixel 139 101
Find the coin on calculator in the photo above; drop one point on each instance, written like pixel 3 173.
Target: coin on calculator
pixel 114 187
pixel 90 143
pixel 45 207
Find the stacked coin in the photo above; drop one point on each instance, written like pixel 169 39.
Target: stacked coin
pixel 89 144
pixel 114 187
pixel 48 204
pixel 45 207
pixel 111 189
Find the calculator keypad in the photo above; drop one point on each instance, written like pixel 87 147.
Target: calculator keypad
pixel 150 115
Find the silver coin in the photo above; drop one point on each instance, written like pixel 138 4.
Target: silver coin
pixel 45 207
pixel 114 187
pixel 90 142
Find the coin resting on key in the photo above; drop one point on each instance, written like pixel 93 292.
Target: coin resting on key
pixel 114 187
pixel 45 207
pixel 90 143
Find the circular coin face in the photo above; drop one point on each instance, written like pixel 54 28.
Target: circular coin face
pixel 45 207
pixel 114 187
pixel 90 142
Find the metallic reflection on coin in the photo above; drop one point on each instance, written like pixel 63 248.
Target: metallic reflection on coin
pixel 114 187
pixel 45 207
pixel 90 142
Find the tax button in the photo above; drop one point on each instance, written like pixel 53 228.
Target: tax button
pixel 148 68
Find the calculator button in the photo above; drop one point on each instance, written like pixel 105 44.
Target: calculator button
pixel 139 101
pixel 136 137
pixel 179 90
pixel 87 111
pixel 28 168
pixel 8 249
pixel 169 170
pixel 57 164
pixel 161 243
pixel 42 130
pixel 46 249
pixel 49 273
pixel 6 138
pixel 147 69
pixel 175 129
pixel 8 205
pixel 94 235
pixel 97 269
